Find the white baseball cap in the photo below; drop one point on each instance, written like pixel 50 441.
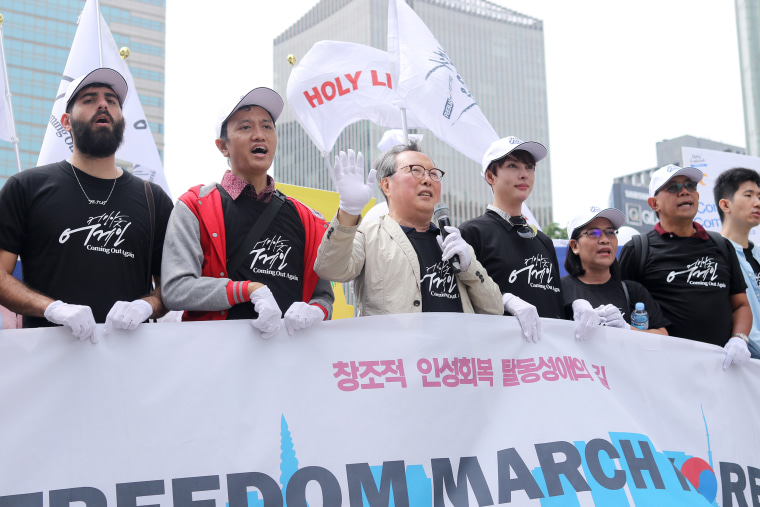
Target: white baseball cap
pixel 102 75
pixel 614 215
pixel 261 96
pixel 664 174
pixel 503 147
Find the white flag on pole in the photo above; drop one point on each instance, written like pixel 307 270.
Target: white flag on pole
pixel 138 147
pixel 428 82
pixel 339 83
pixel 7 130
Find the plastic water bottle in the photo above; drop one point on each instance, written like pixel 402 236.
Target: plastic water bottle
pixel 640 317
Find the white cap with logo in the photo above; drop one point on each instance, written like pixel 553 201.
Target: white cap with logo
pixel 261 96
pixel 614 215
pixel 102 75
pixel 664 174
pixel 503 147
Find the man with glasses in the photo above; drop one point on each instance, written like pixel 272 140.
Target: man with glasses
pixel 520 258
pixel 693 275
pixel 400 263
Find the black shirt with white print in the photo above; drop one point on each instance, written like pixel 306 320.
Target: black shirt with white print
pixel 753 262
pixel 525 267
pixel 438 283
pixel 692 282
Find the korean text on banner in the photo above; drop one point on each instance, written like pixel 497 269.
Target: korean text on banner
pixel 138 146
pixel 339 83
pixel 429 83
pixel 421 409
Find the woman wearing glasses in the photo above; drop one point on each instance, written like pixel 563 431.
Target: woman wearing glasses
pixel 593 279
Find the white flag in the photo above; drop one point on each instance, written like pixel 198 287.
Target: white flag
pixel 7 130
pixel 339 83
pixel 138 147
pixel 428 82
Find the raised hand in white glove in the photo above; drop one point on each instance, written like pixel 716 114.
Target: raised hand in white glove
pixel 737 352
pixel 127 315
pixel 453 245
pixel 586 317
pixel 269 320
pixel 301 315
pixel 526 315
pixel 78 318
pixel 610 316
pixel 349 179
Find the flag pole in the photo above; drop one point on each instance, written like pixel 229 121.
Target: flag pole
pixel 404 126
pixel 8 95
pixel 100 37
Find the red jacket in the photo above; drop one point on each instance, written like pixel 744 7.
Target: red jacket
pixel 208 210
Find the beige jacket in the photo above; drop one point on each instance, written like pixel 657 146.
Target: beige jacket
pixel 383 263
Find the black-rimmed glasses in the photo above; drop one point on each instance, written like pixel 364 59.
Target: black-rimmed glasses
pixel 596 233
pixel 521 227
pixel 675 187
pixel 419 172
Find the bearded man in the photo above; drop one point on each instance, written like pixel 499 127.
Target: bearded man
pixel 89 233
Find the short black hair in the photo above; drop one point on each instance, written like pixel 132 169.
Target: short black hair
pixel 729 182
pixel 223 130
pixel 573 264
pixel 523 156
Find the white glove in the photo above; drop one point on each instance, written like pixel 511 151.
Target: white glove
pixel 269 322
pixel 455 245
pixel 301 315
pixel 586 317
pixel 526 315
pixel 127 315
pixel 78 318
pixel 737 352
pixel 610 316
pixel 349 179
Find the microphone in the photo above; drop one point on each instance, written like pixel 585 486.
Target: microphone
pixel 441 216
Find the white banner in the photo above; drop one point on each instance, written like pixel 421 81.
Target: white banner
pixel 424 409
pixel 138 147
pixel 712 163
pixel 432 87
pixel 339 83
pixel 7 129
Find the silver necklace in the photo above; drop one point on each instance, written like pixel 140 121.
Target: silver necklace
pixel 92 201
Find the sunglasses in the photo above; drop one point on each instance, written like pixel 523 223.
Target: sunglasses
pixel 597 233
pixel 675 187
pixel 419 172
pixel 521 227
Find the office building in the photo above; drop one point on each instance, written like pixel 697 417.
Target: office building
pixel 498 52
pixel 38 36
pixel 748 33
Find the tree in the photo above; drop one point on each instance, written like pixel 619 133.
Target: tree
pixel 554 231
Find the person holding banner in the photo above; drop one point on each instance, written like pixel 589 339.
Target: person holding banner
pixel 693 274
pixel 737 195
pixel 594 272
pixel 400 263
pixel 83 226
pixel 241 241
pixel 520 258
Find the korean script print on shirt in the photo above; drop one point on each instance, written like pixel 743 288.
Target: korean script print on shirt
pixel 438 283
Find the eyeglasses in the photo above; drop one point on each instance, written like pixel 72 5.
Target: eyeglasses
pixel 597 233
pixel 419 172
pixel 675 187
pixel 521 227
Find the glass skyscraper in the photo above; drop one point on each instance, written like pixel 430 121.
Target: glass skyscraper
pixel 38 36
pixel 498 52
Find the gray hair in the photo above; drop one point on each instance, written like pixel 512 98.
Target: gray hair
pixel 385 164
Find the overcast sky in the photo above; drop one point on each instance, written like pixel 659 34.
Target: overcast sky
pixel 621 76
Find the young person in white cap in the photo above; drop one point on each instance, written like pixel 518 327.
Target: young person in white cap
pixel 519 258
pixel 240 249
pixel 693 275
pixel 83 226
pixel 594 274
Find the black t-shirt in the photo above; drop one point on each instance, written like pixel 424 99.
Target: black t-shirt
pixel 527 268
pixel 276 258
pixel 81 253
pixel 438 283
pixel 753 262
pixel 692 282
pixel 611 292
